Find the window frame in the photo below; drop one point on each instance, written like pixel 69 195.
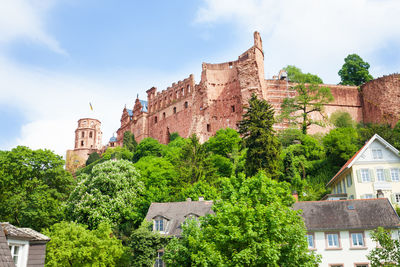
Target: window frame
pixel 365 171
pixel 327 247
pixel 382 176
pixel 352 246
pixel 397 196
pixel 349 180
pixel 159 261
pixel 358 264
pixel 312 235
pixel 397 172
pixel 377 153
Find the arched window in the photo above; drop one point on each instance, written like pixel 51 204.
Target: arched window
pixel 81 143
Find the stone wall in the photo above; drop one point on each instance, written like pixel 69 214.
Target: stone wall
pixel 381 100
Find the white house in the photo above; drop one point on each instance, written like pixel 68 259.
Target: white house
pixel 374 170
pixel 339 230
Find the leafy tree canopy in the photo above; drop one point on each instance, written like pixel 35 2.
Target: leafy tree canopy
pixel 355 71
pixel 129 141
pixel 72 244
pixel 110 193
pixel 223 142
pixel 252 226
pixel 296 75
pixel 259 138
pixel 388 254
pixel 33 184
pixel 342 119
pixel 92 158
pixel 148 147
pixel 309 99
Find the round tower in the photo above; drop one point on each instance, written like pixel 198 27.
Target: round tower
pixel 88 135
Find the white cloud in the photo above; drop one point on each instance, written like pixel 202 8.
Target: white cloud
pixel 25 19
pixel 314 35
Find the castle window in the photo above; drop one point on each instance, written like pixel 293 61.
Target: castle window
pixel 91 134
pixel 177 94
pixel 83 134
pixel 163 115
pixel 174 110
pixel 182 92
pixel 230 65
pixel 233 108
pixel 188 89
pixel 155 119
pixel 208 128
pixel 81 143
pixel 186 104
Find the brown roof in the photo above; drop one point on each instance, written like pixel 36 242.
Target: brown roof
pixel 348 214
pixel 176 213
pixel 28 234
pixel 5 253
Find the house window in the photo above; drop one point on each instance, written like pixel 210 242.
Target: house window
pixel 394 173
pixel 335 265
pixel 357 239
pixel 91 135
pixel 397 198
pixel 361 264
pixel 233 108
pixel 159 225
pixel 174 110
pixel 310 240
pixel 367 196
pixel 332 240
pixel 377 153
pixel 16 254
pixel 365 176
pixel 344 186
pixel 159 261
pixel 339 188
pixel 186 104
pixel 380 175
pixel 348 179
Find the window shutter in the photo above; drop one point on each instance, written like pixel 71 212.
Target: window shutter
pixel 393 198
pixel 372 175
pixel 358 176
pixel 387 175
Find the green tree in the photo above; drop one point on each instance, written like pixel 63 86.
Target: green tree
pixel 223 142
pixel 72 244
pixel 92 158
pixel 259 138
pixel 354 71
pixel 144 244
pixel 252 226
pixel 296 75
pixel 33 186
pixel 309 99
pixel 341 144
pixel 110 193
pixel 388 254
pixel 342 119
pixel 148 147
pixel 129 141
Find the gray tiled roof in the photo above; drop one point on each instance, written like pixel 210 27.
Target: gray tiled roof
pixel 176 213
pixel 5 253
pixel 348 214
pixel 13 232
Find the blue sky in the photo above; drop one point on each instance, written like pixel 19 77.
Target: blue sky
pixel 56 56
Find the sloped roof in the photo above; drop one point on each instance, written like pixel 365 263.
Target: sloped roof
pixel 348 214
pixel 354 158
pixel 176 213
pixel 28 234
pixel 5 253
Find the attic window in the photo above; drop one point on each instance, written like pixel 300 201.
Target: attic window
pixel 159 225
pixel 377 153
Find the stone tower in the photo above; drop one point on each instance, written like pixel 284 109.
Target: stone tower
pixel 88 139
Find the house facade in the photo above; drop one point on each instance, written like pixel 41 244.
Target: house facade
pixel 374 171
pixel 340 230
pixel 167 218
pixel 27 246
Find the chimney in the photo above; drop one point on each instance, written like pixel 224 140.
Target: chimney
pixel 188 199
pixel 201 198
pixel 379 194
pixel 295 195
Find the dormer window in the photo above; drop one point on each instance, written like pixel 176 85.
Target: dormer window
pixel 377 153
pixel 160 224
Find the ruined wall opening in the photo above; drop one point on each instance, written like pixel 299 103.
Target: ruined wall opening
pixel 208 128
pixel 163 115
pixel 174 110
pixel 155 119
pixel 186 104
pixel 233 108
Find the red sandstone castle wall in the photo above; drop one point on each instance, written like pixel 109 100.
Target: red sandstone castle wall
pixel 381 100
